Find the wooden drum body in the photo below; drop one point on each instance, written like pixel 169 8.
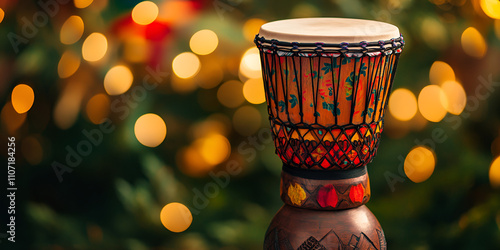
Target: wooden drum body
pixel 327 83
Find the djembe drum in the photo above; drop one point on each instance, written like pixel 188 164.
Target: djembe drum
pixel 327 82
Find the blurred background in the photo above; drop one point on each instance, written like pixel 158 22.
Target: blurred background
pixel 142 124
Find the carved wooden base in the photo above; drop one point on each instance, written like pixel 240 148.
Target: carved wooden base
pixel 305 229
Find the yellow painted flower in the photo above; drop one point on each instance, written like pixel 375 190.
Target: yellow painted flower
pixel 296 193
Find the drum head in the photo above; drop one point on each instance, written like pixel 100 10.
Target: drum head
pixel 328 30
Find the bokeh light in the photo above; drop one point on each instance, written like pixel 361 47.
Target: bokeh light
pixel 186 65
pixel 251 28
pixel 72 30
pixel 247 120
pixel 2 15
pixel 230 94
pixel 214 148
pixel 150 130
pixel 204 42
pixel 94 47
pixel 97 108
pixel 176 217
pixel 191 162
pixel 419 164
pixel 491 8
pixel 441 72
pixel 68 64
pixel 22 98
pixel 177 12
pixel 32 150
pixel 11 119
pixel 250 65
pixel 82 3
pixel 495 173
pixel 145 13
pixel 456 98
pixel 118 80
pixel 68 106
pixel 432 103
pixel 473 43
pixel 403 104
pixel 253 91
pixel 209 149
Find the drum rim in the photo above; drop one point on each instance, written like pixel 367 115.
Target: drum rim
pixel 393 45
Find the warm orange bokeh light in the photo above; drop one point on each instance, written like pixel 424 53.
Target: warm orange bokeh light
pixel 491 8
pixel 150 130
pixel 203 42
pixel 72 30
pixel 441 72
pixel 145 13
pixel 495 173
pixel 419 164
pixel 94 47
pixel 252 27
pixel 456 98
pixel 186 65
pixel 68 64
pixel 22 98
pixel 118 80
pixel 250 65
pixel 176 217
pixel 204 153
pixel 403 104
pixel 432 103
pixel 214 148
pixel 176 12
pixel 473 43
pixel 253 90
pixel 82 3
pixel 68 106
pixel 2 15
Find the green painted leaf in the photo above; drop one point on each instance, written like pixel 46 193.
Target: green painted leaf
pixel 370 112
pixel 293 101
pixel 332 107
pixel 327 68
pixel 362 69
pixel 282 105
